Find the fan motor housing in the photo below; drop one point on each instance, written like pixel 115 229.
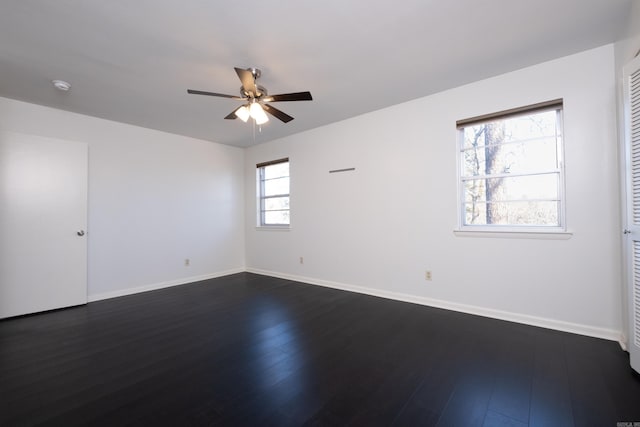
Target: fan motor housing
pixel 261 91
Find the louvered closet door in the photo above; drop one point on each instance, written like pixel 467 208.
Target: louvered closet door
pixel 632 145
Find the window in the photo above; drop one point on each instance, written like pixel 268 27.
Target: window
pixel 511 175
pixel 273 190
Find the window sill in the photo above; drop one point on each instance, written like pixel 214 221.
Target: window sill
pixel 273 228
pixel 542 235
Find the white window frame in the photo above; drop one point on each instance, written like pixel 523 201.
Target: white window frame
pixel 261 197
pixel 520 230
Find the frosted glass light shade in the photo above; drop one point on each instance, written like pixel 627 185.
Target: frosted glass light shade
pixel 243 113
pixel 258 113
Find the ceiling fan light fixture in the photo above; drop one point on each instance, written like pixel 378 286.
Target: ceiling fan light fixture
pixel 257 101
pixel 258 114
pixel 243 113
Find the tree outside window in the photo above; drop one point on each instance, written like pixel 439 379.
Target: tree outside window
pixel 511 169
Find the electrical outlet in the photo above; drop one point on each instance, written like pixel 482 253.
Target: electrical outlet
pixel 187 262
pixel 427 275
pixel 301 260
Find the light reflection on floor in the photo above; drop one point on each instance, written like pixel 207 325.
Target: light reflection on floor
pixel 276 352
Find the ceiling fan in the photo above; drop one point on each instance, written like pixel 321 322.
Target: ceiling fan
pixel 257 98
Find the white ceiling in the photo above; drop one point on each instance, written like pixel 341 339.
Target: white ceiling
pixel 132 61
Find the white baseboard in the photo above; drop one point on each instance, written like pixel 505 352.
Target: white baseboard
pixel 624 342
pixel 575 328
pixel 559 325
pixel 154 286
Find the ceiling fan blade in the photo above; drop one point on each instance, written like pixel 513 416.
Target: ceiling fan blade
pixel 277 113
pixel 232 115
pixel 221 95
pixel 248 82
pixel 297 96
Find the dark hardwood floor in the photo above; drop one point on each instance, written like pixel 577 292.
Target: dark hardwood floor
pixel 250 350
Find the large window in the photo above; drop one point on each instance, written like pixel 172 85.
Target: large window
pixel 511 175
pixel 273 190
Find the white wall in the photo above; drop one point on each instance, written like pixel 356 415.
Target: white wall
pixel 154 200
pixel 629 45
pixel 379 228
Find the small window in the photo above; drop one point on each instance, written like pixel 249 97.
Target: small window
pixel 511 175
pixel 273 190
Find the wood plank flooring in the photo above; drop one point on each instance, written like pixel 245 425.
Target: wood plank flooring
pixel 250 350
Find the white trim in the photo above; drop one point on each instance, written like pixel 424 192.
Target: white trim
pixel 273 228
pixel 543 235
pixel 161 285
pixel 624 342
pixel 575 328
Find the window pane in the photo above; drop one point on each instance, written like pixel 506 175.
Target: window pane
pixel 276 203
pixel 512 188
pixel 510 170
pixel 276 171
pixel 276 218
pixel 512 213
pixel 520 157
pixel 536 125
pixel 517 128
pixel 274 194
pixel 277 186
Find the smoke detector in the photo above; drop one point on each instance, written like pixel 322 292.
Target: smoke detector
pixel 61 85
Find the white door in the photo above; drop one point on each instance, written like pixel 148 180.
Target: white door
pixel 632 231
pixel 43 219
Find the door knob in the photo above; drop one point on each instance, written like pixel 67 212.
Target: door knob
pixel 80 233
